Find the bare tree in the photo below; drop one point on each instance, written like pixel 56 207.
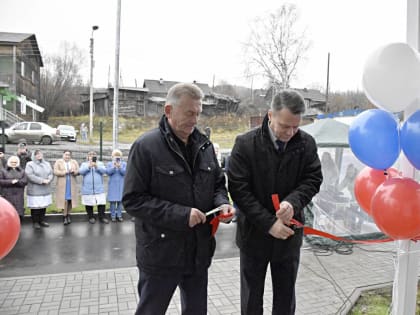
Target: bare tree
pixel 276 46
pixel 61 81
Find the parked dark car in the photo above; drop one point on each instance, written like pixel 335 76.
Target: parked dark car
pixel 30 132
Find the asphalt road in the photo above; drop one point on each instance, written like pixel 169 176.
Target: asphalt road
pixel 82 246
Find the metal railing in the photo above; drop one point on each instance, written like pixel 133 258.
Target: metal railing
pixel 8 117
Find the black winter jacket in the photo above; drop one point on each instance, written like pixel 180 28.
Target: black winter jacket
pixel 256 171
pixel 14 193
pixel 160 188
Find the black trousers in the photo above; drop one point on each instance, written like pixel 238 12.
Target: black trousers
pixel 283 275
pixel 155 293
pixel 38 215
pixel 101 211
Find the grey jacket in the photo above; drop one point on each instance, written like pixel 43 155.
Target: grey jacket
pixel 37 171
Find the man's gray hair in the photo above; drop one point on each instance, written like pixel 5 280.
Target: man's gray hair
pixel 289 99
pixel 180 89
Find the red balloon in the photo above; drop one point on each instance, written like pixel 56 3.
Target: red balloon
pixel 396 208
pixel 366 183
pixel 9 227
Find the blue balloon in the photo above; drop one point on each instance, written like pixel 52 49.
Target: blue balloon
pixel 374 138
pixel 410 139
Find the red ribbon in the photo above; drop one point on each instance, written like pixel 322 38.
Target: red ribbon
pixel 216 220
pixel 310 230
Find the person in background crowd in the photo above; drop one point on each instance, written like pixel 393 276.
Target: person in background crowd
pixel 218 153
pixel 40 175
pixel 207 132
pixel 3 163
pixel 23 154
pixel 172 180
pixel 83 132
pixel 116 172
pixel 3 160
pixel 66 189
pixel 330 173
pixel 348 180
pixel 93 192
pixel 225 162
pixel 12 182
pixel 276 158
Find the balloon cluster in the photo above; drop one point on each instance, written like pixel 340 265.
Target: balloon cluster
pixel 391 81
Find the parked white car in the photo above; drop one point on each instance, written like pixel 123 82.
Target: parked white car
pixel 67 132
pixel 30 131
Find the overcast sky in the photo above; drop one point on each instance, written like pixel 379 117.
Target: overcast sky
pixel 188 40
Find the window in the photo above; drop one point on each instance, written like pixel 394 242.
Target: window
pixel 6 65
pixel 35 126
pixel 22 68
pixel 33 77
pixel 21 126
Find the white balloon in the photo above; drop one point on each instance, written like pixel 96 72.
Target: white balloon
pixel 391 77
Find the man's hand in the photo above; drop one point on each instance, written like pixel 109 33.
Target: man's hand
pixel 196 217
pixel 228 212
pixel 285 213
pixel 280 231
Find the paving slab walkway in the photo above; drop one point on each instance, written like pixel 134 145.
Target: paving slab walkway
pixel 328 283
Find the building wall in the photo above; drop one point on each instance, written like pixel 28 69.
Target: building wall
pixel 134 103
pixel 28 81
pixel 27 76
pixel 6 65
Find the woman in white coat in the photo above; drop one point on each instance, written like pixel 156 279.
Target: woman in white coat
pixel 40 175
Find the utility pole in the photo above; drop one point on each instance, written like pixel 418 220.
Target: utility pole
pixel 328 84
pixel 404 293
pixel 92 64
pixel 116 79
pixel 252 89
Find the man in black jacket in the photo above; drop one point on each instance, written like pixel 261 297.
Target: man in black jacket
pixel 23 154
pixel 172 180
pixel 276 158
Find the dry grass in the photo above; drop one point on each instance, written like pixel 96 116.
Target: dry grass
pixel 377 302
pixel 224 128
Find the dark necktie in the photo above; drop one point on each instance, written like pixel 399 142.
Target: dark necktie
pixel 280 145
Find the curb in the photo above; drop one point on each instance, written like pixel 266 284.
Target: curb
pixel 357 292
pixel 75 217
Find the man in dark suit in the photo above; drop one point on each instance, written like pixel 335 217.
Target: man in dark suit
pixel 276 158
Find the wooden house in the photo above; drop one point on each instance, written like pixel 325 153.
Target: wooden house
pixel 213 103
pixel 149 100
pixel 20 63
pixel 314 99
pixel 131 101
